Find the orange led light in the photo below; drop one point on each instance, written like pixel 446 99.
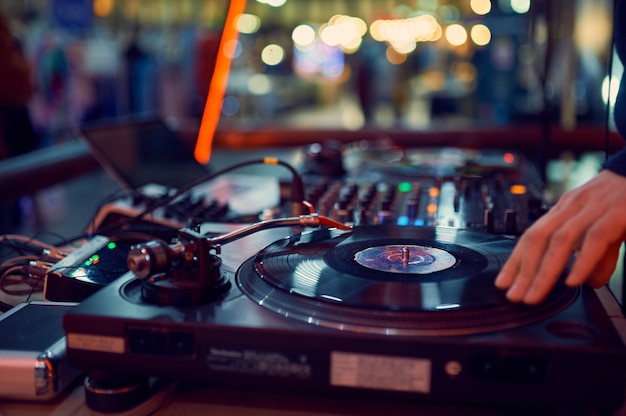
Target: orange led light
pixel 518 189
pixel 433 192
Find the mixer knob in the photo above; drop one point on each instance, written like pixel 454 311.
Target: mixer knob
pixel 535 209
pixel 489 221
pixel 510 221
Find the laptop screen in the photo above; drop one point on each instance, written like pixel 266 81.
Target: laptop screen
pixel 138 152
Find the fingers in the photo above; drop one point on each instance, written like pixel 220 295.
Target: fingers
pixel 531 281
pixel 543 250
pixel 592 267
pixel 589 219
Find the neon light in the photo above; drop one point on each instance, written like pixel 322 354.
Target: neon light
pixel 217 87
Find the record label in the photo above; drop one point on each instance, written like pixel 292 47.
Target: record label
pixel 405 258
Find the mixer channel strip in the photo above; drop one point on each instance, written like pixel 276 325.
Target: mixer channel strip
pixel 496 207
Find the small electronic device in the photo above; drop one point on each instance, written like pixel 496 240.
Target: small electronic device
pixel 92 266
pixel 33 364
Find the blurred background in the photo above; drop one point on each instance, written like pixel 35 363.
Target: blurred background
pixel 536 75
pixel 416 65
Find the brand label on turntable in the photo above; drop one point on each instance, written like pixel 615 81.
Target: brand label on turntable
pixel 248 361
pixel 380 372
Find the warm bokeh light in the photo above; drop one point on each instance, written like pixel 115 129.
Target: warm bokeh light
pixel 272 55
pixel 344 31
pixel 102 8
pixel 395 57
pixel 248 23
pixel 480 34
pixel 480 7
pixel 593 28
pixel 456 34
pixel 273 3
pixel 303 36
pixel 403 32
pixel 259 84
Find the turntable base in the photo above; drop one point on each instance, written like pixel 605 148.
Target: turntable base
pixel 258 336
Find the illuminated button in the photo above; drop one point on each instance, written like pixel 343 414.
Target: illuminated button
pixel 405 187
pixel 433 192
pixel 509 158
pixel 403 220
pixel 518 189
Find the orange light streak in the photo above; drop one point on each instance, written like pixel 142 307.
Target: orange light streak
pixel 217 87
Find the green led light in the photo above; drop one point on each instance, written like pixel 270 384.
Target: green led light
pixel 111 245
pixel 405 187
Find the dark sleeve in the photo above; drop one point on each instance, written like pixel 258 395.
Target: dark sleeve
pixel 617 163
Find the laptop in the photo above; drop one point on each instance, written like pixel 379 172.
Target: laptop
pixel 142 151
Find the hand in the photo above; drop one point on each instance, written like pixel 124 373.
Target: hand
pixel 589 221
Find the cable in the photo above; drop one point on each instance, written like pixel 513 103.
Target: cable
pixel 22 244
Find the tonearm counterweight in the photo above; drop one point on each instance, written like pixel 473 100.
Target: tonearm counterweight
pixel 187 272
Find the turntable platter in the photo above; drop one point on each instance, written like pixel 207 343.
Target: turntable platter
pixel 393 280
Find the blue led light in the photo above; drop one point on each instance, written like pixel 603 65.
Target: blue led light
pixel 403 220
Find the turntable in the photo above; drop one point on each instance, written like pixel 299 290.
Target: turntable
pixel 376 311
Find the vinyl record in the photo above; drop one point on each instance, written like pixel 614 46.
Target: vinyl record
pixel 395 280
